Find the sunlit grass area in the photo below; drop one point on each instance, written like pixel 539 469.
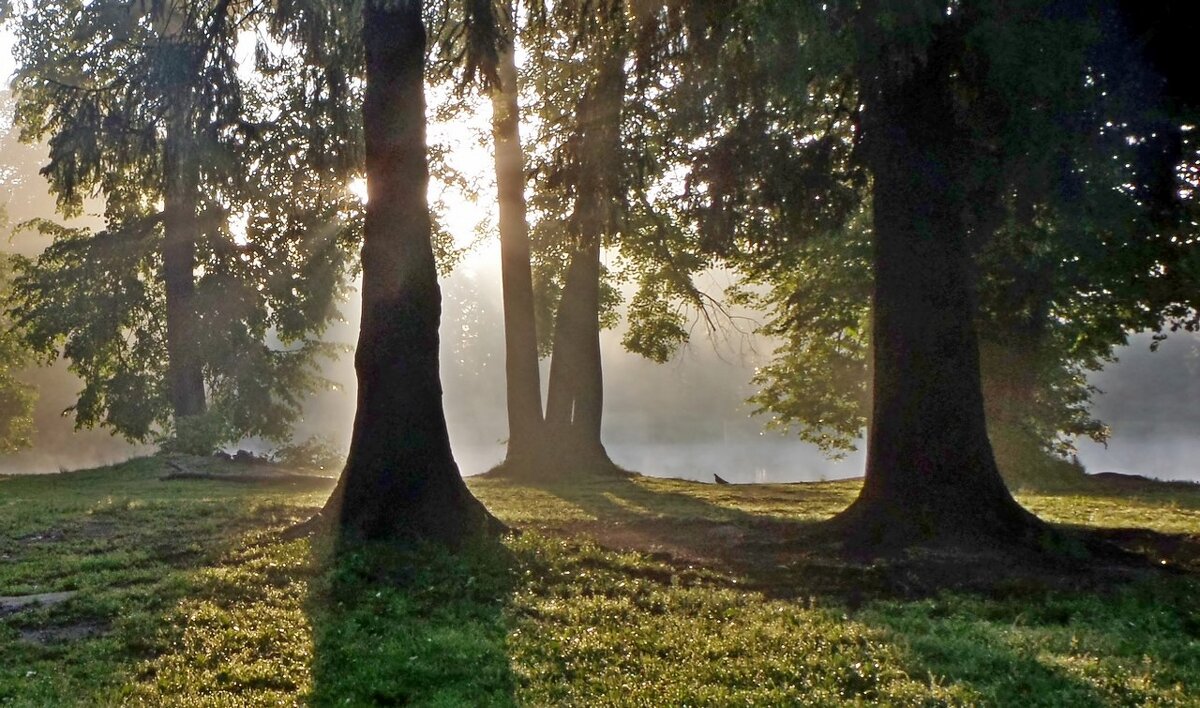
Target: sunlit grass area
pixel 630 591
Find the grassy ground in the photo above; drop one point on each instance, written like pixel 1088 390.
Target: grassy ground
pixel 617 592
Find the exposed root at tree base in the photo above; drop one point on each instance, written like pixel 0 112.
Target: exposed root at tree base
pixel 323 523
pixel 548 470
pixel 783 559
pixel 874 528
pixel 314 525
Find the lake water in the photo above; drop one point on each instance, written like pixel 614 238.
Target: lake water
pixel 1173 457
pixel 769 460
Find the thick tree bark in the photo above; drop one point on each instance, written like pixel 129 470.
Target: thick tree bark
pixel 524 391
pixel 589 396
pixel 930 472
pixel 185 379
pixel 400 479
pixel 575 400
pixel 565 359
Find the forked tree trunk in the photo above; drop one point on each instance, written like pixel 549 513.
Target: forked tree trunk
pixel 185 379
pixel 589 393
pixel 930 472
pixel 575 400
pixel 400 479
pixel 524 390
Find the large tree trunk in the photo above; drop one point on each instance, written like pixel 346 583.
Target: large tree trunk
pixel 520 339
pixel 185 379
pixel 575 400
pixel 400 479
pixel 930 472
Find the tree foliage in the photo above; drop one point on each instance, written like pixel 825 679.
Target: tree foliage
pixel 1077 239
pixel 271 144
pixel 17 398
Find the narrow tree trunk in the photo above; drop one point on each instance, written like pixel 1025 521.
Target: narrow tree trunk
pixel 400 479
pixel 185 379
pixel 523 381
pixel 930 468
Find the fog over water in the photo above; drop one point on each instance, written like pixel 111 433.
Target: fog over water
pixel 686 418
pixel 1152 403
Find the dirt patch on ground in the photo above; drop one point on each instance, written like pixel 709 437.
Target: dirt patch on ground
pixel 45 536
pixel 96 529
pixel 15 603
pixel 91 529
pixel 63 634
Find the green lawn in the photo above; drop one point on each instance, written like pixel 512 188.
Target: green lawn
pixel 617 592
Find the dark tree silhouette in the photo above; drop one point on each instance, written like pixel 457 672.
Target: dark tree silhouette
pixel 944 144
pixel 400 479
pixel 575 400
pixel 930 467
pixel 185 377
pixel 955 120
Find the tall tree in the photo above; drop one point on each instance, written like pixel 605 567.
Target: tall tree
pixel 581 81
pixel 522 378
pixel 216 271
pixel 591 153
pixel 575 400
pixel 400 479
pixel 930 467
pixel 947 134
pixel 955 120
pixel 182 58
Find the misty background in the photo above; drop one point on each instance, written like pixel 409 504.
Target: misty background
pixel 686 418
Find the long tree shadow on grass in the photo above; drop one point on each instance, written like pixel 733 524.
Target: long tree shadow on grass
pixel 1067 628
pixel 413 624
pixel 150 564
pixel 1126 646
pixel 786 552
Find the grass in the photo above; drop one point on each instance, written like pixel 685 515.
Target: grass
pixel 617 592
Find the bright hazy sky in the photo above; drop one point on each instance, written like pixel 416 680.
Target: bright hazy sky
pixel 6 57
pixel 461 217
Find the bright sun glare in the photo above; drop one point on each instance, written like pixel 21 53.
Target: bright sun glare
pixel 8 64
pixel 358 188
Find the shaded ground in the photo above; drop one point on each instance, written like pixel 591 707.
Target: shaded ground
pixel 784 553
pixel 632 591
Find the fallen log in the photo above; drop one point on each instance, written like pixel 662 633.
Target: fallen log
pixel 182 472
